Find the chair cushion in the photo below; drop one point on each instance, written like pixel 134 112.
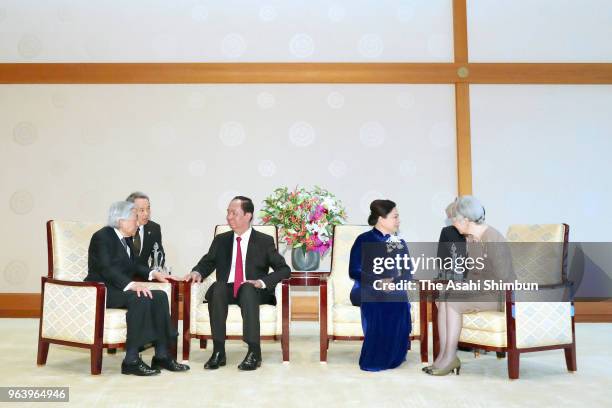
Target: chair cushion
pixel 346 314
pixel 485 338
pixel 347 320
pixel 267 319
pixel 489 320
pixel 115 319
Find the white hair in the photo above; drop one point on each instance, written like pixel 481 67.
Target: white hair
pixel 120 210
pixel 469 207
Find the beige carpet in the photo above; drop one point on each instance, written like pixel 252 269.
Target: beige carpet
pixel 305 382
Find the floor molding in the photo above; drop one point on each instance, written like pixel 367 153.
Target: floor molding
pixel 303 308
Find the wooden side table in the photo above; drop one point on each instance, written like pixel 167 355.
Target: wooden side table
pixel 305 279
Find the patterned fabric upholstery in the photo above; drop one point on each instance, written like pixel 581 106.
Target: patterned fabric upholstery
pixel 344 237
pixel 541 260
pixel 482 337
pixel 115 326
pixel 270 316
pixel 543 324
pixel 537 323
pixel 344 319
pixel 70 242
pixel 69 313
pixel 488 320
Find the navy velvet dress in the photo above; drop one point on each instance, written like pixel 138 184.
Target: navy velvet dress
pixel 386 324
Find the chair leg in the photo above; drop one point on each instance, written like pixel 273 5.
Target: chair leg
pixel 111 351
pixel 186 346
pixel 570 358
pixel 285 346
pixel 424 351
pixel 513 364
pixel 96 360
pixel 43 352
pixel 501 354
pixel 203 343
pixel 324 345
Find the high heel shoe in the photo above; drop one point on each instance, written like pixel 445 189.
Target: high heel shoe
pixel 455 366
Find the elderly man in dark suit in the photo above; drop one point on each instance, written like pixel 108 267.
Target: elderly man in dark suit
pixel 242 258
pixel 112 262
pixel 148 236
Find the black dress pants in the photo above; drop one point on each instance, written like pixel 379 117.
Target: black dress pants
pixel 221 295
pixel 148 320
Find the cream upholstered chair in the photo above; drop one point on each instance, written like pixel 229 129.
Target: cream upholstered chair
pixel 529 326
pixel 339 319
pixel 73 312
pixel 274 319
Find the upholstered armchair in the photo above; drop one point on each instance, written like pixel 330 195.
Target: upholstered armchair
pixel 73 312
pixel 274 319
pixel 339 319
pixel 526 326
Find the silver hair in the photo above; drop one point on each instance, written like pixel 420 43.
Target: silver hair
pixel 469 207
pixel 136 195
pixel 120 210
pixel 451 209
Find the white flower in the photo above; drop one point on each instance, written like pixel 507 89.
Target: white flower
pixel 330 204
pixel 312 228
pixel 394 238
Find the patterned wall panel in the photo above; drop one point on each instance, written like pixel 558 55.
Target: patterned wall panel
pixel 193 147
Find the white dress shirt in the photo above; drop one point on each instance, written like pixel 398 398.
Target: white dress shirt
pixel 244 243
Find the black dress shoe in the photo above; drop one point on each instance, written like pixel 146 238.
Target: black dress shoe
pixel 215 361
pixel 138 368
pixel 250 362
pixel 168 363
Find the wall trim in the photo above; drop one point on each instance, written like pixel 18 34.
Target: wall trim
pixel 303 308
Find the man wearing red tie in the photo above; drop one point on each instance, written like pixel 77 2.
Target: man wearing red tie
pixel 242 258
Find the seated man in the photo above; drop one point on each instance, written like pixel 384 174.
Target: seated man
pixel 148 233
pixel 242 258
pixel 111 261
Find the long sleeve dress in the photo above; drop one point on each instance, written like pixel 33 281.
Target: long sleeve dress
pixel 385 316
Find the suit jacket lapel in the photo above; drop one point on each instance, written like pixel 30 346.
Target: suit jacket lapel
pixel 146 245
pixel 121 247
pixel 250 253
pixel 228 256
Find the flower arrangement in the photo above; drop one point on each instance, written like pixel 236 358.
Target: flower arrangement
pixel 306 218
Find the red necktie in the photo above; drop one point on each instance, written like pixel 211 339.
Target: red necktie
pixel 239 275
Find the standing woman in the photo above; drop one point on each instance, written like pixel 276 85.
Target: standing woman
pixel 385 315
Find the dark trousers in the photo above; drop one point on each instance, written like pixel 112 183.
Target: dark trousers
pixel 220 295
pixel 148 320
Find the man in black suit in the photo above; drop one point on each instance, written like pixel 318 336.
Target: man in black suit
pixel 111 261
pixel 242 258
pixel 148 233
